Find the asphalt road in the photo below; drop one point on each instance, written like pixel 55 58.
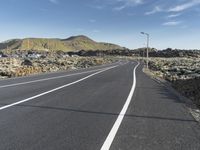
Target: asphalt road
pixel 114 107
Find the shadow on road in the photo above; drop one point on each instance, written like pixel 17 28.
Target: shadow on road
pixel 106 113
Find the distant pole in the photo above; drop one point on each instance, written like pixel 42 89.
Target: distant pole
pixel 148 37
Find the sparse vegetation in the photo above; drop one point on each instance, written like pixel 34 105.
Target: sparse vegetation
pixel 71 44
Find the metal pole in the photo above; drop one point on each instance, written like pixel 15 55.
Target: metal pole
pixel 147 48
pixel 147 51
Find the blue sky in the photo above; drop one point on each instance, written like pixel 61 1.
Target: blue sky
pixel 171 23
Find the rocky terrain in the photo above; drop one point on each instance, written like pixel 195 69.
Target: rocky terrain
pixel 173 69
pixel 183 73
pixel 16 67
pixel 167 53
pixel 172 53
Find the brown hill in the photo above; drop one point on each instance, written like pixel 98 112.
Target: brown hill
pixel 73 43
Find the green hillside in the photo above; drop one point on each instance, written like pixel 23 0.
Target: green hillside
pixel 70 44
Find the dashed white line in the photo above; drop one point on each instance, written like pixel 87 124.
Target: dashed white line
pixel 55 89
pixel 107 143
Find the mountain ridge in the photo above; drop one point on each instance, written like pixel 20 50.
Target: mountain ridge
pixel 73 43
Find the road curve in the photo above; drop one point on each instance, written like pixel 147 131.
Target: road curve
pixel 77 110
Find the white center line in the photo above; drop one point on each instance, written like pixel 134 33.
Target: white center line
pixel 107 143
pixel 46 79
pixel 55 89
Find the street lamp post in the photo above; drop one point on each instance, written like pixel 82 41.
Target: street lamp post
pixel 147 48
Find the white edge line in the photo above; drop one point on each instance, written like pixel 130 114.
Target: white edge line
pixel 51 78
pixel 107 143
pixel 55 89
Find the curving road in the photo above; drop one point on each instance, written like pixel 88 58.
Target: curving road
pixel 114 107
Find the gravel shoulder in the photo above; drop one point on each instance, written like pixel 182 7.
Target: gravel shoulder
pixel 188 104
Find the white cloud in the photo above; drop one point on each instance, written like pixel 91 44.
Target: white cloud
pixel 177 8
pixel 117 5
pixel 131 1
pixel 127 3
pixel 184 6
pixel 171 23
pixel 155 10
pixel 54 1
pixel 173 15
pixel 119 8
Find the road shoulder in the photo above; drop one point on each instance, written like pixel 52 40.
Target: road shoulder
pixel 188 104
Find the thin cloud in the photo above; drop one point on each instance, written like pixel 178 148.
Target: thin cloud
pixel 155 10
pixel 120 8
pixel 173 15
pixel 175 9
pixel 127 3
pixel 131 1
pixel 185 6
pixel 54 1
pixel 171 23
pixel 116 5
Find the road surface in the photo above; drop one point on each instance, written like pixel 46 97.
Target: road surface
pixel 114 107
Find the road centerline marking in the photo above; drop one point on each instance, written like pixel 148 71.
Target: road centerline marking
pixel 109 140
pixel 56 89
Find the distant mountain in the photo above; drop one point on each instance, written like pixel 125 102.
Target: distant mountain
pixel 73 43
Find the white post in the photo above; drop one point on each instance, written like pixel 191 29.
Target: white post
pixel 147 48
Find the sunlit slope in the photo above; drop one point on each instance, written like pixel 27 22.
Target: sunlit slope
pixel 70 44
